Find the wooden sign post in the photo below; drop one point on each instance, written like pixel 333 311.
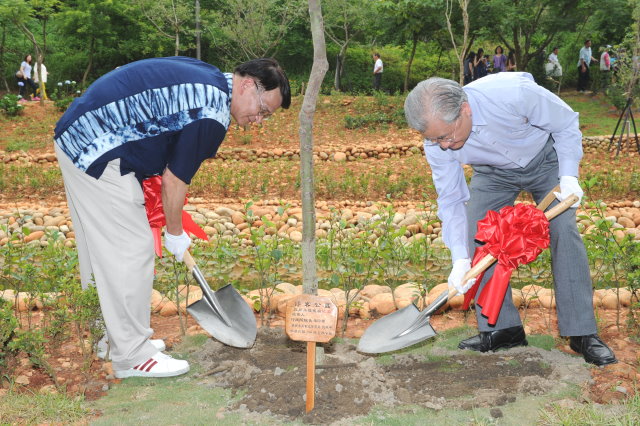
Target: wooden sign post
pixel 311 319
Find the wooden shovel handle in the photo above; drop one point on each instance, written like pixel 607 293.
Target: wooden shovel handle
pixel 188 260
pixel 488 260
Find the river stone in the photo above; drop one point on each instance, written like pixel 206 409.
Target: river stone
pixel 372 290
pixel 382 303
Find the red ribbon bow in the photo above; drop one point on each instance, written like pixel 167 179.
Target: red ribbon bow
pixel 515 236
pixel 152 188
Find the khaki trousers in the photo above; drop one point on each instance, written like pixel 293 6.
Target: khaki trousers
pixel 115 251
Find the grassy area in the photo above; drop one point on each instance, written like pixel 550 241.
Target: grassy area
pixel 28 408
pixel 597 116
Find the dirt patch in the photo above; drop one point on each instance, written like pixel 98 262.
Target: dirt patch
pixel 271 377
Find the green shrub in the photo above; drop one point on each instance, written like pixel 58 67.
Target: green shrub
pixel 10 106
pixel 63 103
pixel 8 324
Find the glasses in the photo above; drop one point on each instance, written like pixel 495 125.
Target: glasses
pixel 446 139
pixel 264 111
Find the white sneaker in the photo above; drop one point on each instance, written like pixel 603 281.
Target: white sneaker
pixel 102 348
pixel 159 365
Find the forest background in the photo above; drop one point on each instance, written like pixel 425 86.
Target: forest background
pixel 84 39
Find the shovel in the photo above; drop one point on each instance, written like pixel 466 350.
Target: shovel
pixel 223 313
pixel 409 325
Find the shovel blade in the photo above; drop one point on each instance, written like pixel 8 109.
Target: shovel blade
pixel 384 335
pixel 243 329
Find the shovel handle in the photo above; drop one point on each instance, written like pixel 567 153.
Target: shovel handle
pixel 188 260
pixel 488 260
pixel 548 199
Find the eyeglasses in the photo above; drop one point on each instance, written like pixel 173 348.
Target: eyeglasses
pixel 264 111
pixel 445 139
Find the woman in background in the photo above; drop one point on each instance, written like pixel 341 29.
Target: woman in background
pixel 499 60
pixel 479 65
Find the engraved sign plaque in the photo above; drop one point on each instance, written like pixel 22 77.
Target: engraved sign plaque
pixel 311 319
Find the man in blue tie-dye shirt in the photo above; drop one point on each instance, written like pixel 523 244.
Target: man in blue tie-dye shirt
pixel 160 116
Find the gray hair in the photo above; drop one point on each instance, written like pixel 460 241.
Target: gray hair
pixel 433 99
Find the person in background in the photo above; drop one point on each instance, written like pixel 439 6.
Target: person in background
pixel 553 67
pixel 378 67
pixel 499 60
pixel 154 117
pixel 479 65
pixel 25 69
pixel 41 82
pixel 511 61
pixel 468 67
pixel 584 61
pixel 605 67
pixel 524 139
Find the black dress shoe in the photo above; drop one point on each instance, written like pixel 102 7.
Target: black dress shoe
pixel 494 340
pixel 594 350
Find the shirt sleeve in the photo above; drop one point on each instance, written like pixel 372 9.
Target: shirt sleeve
pixel 548 112
pixel 195 143
pixel 453 193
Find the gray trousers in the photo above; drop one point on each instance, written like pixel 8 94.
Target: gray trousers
pixel 491 189
pixel 115 250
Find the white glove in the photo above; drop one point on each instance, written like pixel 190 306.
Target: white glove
pixel 177 244
pixel 460 268
pixel 569 185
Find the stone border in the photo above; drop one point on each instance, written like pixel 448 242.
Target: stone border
pixel 232 221
pixel 379 152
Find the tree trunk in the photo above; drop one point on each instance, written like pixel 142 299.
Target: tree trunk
pixel 177 52
pixel 198 56
pixel 2 44
pixel 340 66
pixel 413 53
pixel 87 70
pixel 318 71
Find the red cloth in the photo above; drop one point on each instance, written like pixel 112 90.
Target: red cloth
pixel 152 188
pixel 515 236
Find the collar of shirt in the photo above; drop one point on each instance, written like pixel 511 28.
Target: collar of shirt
pixel 229 77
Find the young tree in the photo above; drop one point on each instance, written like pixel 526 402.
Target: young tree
pixel 318 70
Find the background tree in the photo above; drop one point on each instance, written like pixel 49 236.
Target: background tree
pixel 528 27
pixel 460 49
pixel 250 29
pixel 169 17
pixel 415 20
pixel 344 20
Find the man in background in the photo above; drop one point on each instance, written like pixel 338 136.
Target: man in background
pixel 377 71
pixel 584 61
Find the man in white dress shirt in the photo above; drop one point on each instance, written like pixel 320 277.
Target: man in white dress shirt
pixel 517 136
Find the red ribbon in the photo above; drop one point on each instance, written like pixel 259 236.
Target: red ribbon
pixel 152 188
pixel 515 236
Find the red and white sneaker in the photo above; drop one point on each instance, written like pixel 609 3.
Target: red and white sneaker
pixel 104 344
pixel 159 365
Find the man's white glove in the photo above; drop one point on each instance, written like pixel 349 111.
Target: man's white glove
pixel 460 268
pixel 569 185
pixel 177 244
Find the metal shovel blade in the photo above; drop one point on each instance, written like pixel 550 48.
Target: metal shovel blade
pixel 243 329
pixel 223 313
pixel 384 335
